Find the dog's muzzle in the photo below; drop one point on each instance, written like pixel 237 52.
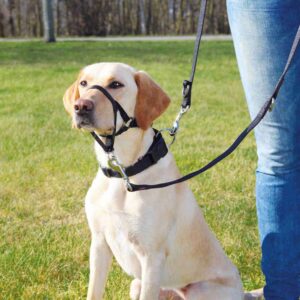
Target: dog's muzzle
pixel 84 110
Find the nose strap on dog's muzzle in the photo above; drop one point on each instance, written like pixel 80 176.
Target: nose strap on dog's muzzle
pixel 129 122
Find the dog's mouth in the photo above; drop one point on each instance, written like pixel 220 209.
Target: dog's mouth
pixel 84 122
pixel 104 132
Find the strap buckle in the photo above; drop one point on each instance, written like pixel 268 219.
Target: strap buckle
pixel 115 165
pixel 128 123
pixel 272 104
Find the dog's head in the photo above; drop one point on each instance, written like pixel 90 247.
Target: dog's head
pixel 135 91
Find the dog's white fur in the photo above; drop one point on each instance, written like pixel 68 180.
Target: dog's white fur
pixel 160 236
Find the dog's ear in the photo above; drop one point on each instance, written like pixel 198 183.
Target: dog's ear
pixel 152 101
pixel 71 94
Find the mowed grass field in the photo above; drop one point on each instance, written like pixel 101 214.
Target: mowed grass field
pixel 46 167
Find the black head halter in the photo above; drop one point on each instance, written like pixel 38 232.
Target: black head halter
pixel 128 122
pixel 157 150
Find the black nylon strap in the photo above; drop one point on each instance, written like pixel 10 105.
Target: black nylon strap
pixel 157 150
pixel 241 137
pixel 290 58
pixel 198 38
pixel 125 127
pixel 108 146
pixel 187 84
pixel 122 112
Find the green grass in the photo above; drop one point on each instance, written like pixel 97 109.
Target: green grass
pixel 46 167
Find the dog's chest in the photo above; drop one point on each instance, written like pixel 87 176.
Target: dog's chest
pixel 122 244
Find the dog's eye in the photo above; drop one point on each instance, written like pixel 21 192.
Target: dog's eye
pixel 83 83
pixel 115 85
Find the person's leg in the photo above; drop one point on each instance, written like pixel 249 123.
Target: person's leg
pixel 263 32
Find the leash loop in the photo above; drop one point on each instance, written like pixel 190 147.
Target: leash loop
pixel 187 94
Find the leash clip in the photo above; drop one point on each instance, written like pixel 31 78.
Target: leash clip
pixel 173 131
pixel 115 165
pixel 175 127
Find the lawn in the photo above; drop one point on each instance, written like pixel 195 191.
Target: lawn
pixel 46 167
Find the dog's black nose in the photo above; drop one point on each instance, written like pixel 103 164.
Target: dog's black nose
pixel 83 106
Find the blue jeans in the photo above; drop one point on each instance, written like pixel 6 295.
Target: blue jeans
pixel 263 32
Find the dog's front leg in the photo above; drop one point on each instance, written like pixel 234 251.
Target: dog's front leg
pixel 100 261
pixel 152 267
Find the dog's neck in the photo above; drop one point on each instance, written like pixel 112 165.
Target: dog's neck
pixel 129 146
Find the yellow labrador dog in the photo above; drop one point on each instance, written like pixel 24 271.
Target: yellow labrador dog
pixel 160 236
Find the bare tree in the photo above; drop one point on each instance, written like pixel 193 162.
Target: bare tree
pixel 4 17
pixel 121 15
pixel 48 20
pixel 142 16
pixel 113 17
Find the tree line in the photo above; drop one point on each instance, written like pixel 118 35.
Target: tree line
pixel 24 18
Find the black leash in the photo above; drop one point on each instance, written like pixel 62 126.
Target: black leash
pixel 187 84
pixel 266 107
